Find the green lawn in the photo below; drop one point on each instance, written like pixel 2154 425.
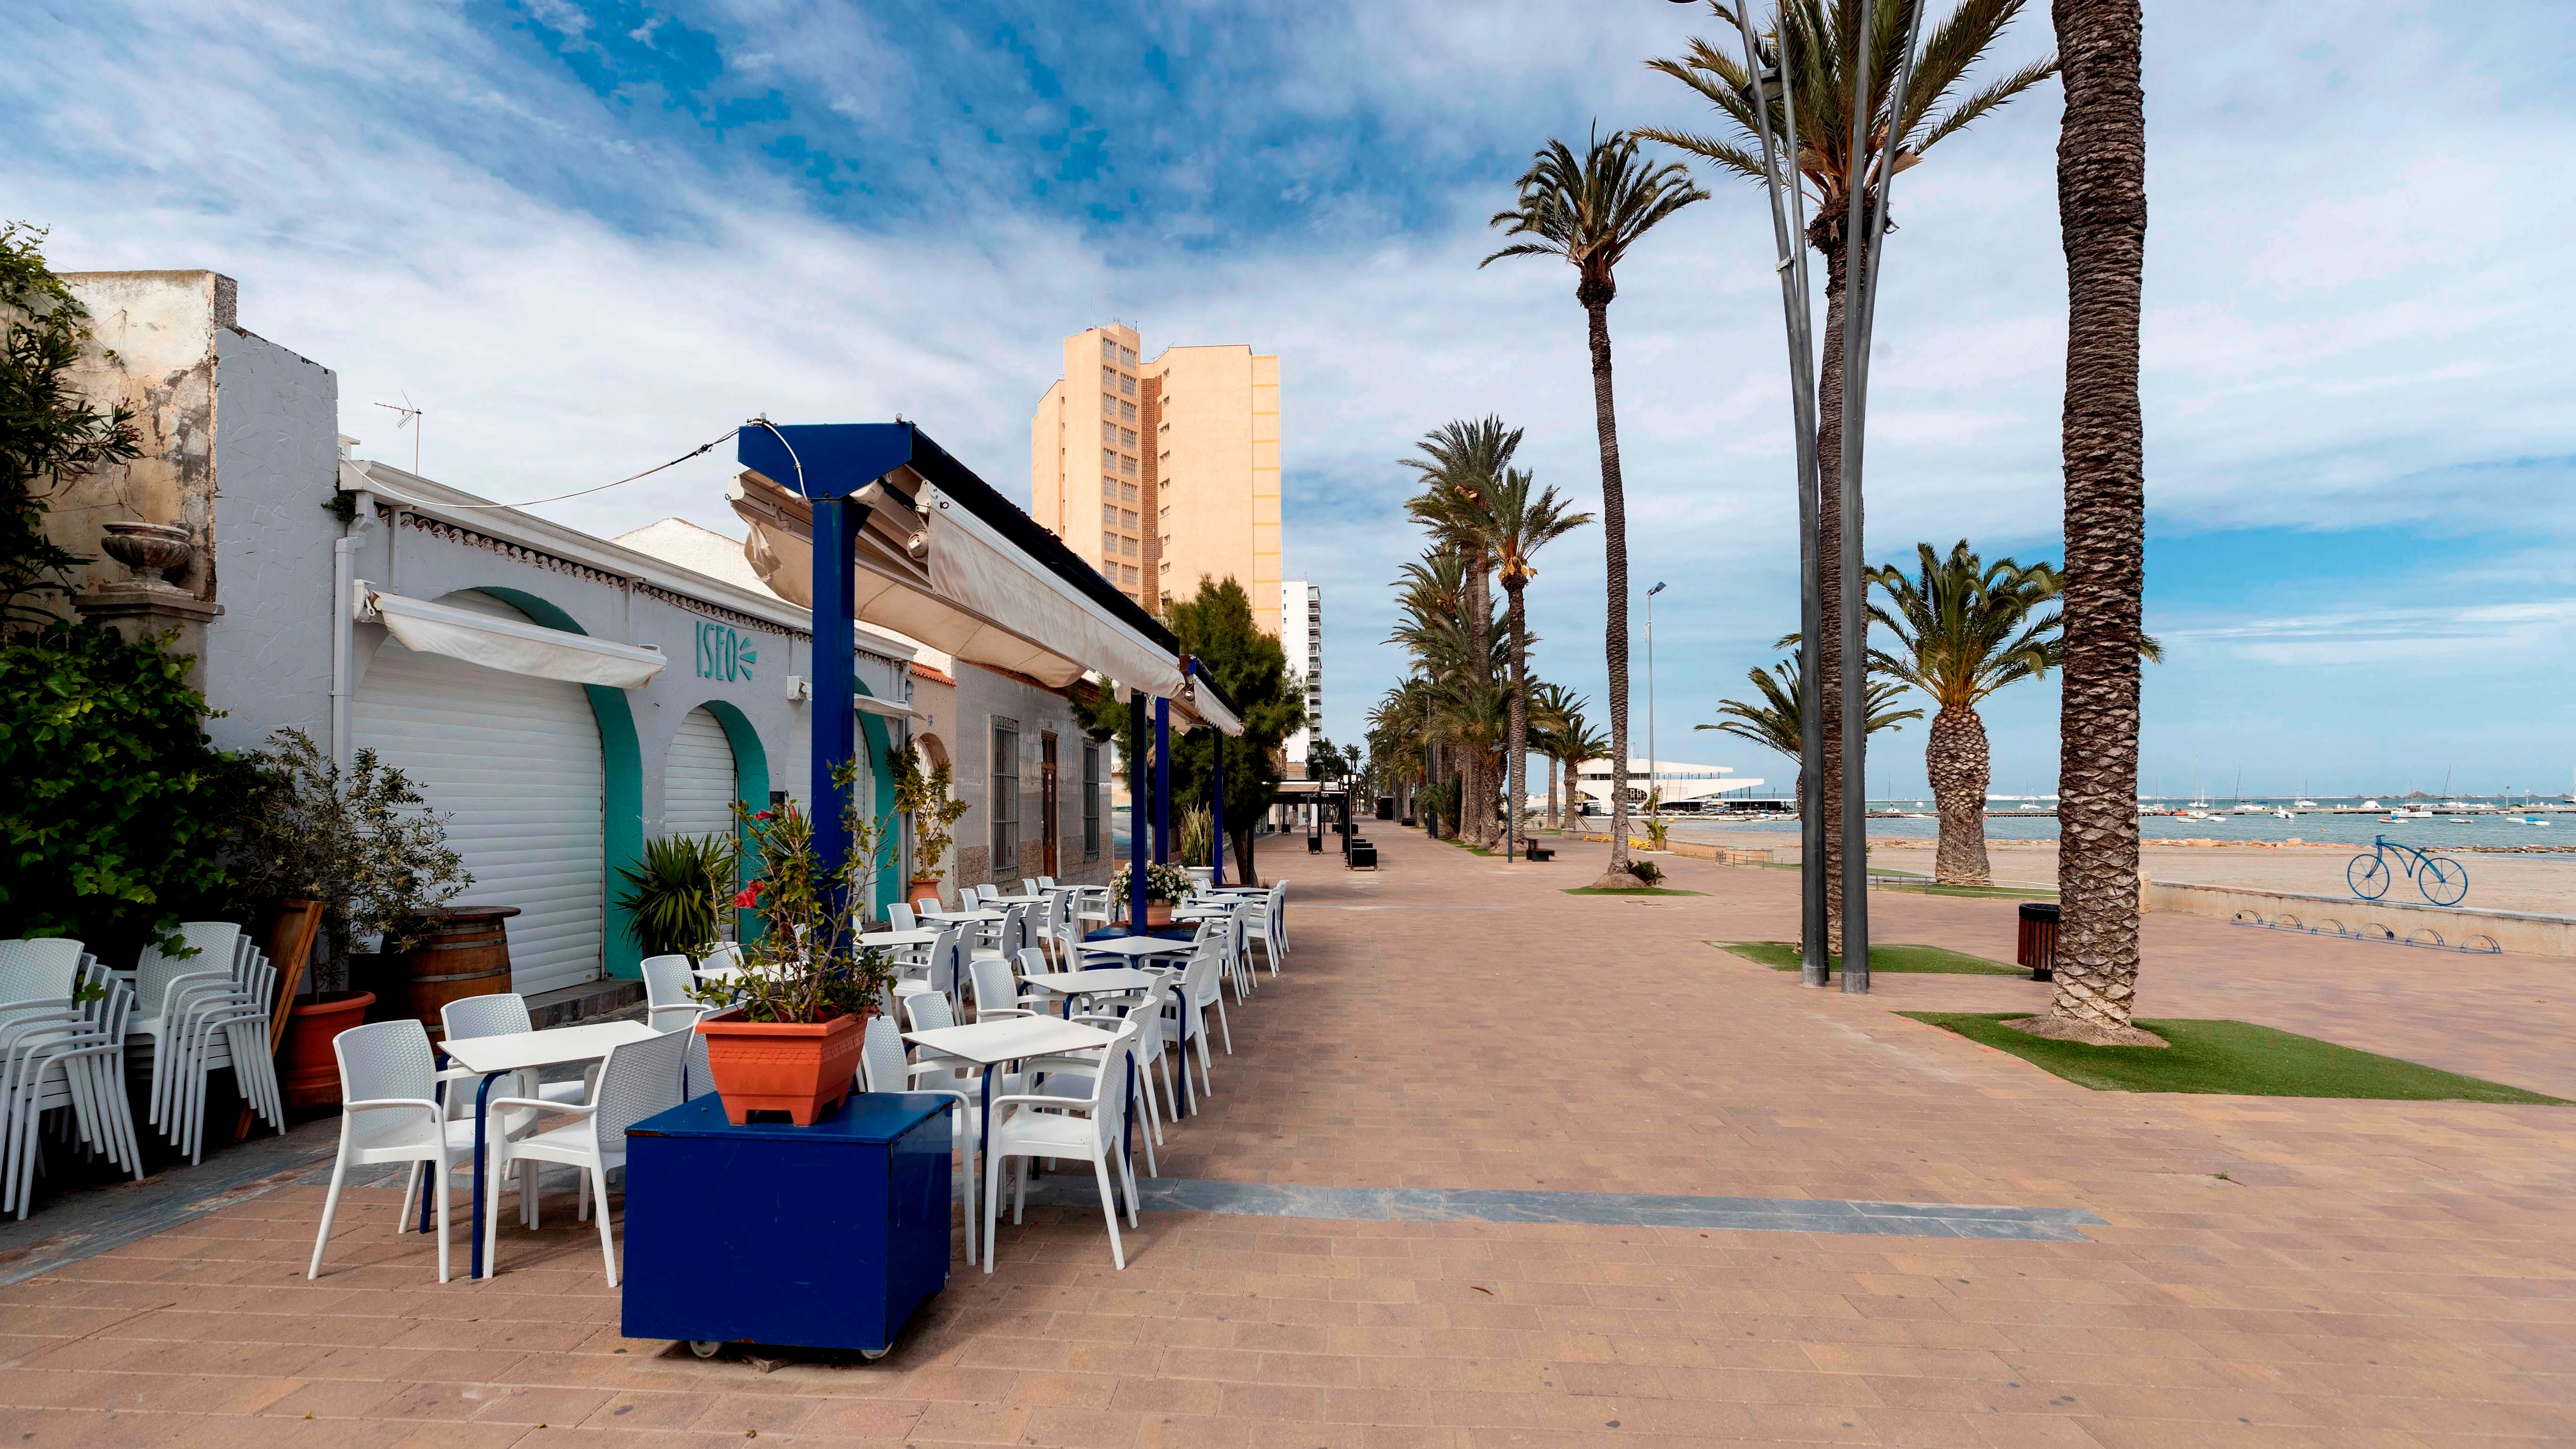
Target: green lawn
pixel 1636 891
pixel 1922 960
pixel 2232 1057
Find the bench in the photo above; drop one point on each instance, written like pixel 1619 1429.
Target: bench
pixel 1535 851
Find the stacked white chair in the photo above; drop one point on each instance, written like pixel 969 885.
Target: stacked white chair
pixel 62 1022
pixel 163 982
pixel 389 1112
pixel 202 1013
pixel 639 1080
pixel 1270 928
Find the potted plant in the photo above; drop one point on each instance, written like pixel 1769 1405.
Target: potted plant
pixel 793 1021
pixel 357 843
pixel 677 895
pixel 924 796
pixel 1165 886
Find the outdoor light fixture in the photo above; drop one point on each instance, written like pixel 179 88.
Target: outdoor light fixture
pixel 1789 231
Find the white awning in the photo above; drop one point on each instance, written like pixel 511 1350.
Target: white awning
pixel 1211 711
pixel 509 645
pixel 942 576
pixel 885 708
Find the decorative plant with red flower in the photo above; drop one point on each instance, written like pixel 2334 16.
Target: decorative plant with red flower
pixel 806 967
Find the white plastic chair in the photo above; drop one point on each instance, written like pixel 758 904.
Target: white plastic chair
pixel 927 906
pixel 1198 990
pixel 1269 928
pixel 883 1067
pixel 58 1051
pixel 639 1080
pixel 667 983
pixel 227 1028
pixel 162 986
pixel 997 991
pixel 501 1014
pixel 899 917
pixel 1034 1125
pixel 389 1113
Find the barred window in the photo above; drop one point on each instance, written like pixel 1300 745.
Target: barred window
pixel 1108 544
pixel 1108 349
pixel 1108 405
pixel 1108 515
pixel 1126 411
pixel 1091 802
pixel 1126 492
pixel 1108 431
pixel 1003 801
pixel 1126 548
pixel 1127 355
pixel 1127 519
pixel 1126 384
pixel 1108 460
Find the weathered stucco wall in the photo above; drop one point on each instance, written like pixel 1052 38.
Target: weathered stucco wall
pixel 268 656
pixel 152 349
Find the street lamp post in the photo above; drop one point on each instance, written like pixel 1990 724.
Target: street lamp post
pixel 1865 227
pixel 1651 802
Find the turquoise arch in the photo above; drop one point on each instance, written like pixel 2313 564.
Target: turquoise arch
pixel 621 761
pixel 872 731
pixel 750 784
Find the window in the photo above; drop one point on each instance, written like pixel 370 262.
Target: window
pixel 1091 802
pixel 1127 466
pixel 1127 384
pixel 1110 377
pixel 1126 548
pixel 1126 437
pixel 1127 355
pixel 1126 410
pixel 1003 800
pixel 1108 515
pixel 1108 544
pixel 1108 431
pixel 1108 349
pixel 1127 519
pixel 1127 494
pixel 1108 460
pixel 1167 518
pixel 1127 576
pixel 1108 405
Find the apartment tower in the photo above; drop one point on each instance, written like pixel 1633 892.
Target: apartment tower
pixel 1301 634
pixel 1184 473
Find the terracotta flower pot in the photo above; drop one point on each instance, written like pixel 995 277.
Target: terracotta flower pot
pixel 922 885
pixel 803 1071
pixel 1158 913
pixel 311 1073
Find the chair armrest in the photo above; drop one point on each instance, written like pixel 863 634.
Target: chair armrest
pixel 374 1103
pixel 569 1109
pixel 1069 1104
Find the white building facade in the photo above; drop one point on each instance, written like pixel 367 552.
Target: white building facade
pixel 1301 637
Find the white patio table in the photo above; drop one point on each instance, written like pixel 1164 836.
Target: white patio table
pixel 1008 1039
pixel 498 1056
pixel 1104 981
pixel 899 940
pixel 1135 948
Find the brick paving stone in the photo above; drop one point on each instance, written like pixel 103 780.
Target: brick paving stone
pixel 2364 1273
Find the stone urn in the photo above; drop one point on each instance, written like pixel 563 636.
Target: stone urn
pixel 154 551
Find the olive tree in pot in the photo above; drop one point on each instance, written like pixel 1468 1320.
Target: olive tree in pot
pixel 923 795
pixel 794 1019
pixel 360 845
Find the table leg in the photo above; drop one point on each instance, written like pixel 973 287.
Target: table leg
pixel 1185 1064
pixel 482 1095
pixel 984 1144
pixel 1129 1145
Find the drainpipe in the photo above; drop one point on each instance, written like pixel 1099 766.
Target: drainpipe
pixel 344 573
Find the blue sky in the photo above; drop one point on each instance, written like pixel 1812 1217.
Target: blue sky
pixel 586 237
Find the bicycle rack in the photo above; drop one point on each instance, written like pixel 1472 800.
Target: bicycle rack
pixel 2475 943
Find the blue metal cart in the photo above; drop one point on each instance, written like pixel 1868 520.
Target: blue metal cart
pixel 826 1236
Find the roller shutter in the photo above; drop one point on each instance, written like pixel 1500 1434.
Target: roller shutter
pixel 698 778
pixel 514 762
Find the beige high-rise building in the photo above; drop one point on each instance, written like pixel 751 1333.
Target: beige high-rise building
pixel 1179 457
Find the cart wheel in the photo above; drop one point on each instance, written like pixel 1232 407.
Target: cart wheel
pixel 873 1354
pixel 706 1347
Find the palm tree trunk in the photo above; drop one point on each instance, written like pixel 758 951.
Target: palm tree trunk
pixel 1826 233
pixel 2102 216
pixel 1956 759
pixel 1516 758
pixel 1480 649
pixel 1614 533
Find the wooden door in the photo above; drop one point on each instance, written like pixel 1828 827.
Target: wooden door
pixel 1047 803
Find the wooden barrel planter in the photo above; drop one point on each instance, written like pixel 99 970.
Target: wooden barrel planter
pixel 466 953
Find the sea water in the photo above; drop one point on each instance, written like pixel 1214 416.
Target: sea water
pixel 2441 831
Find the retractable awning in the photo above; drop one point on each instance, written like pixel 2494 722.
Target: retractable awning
pixel 509 645
pixel 946 560
pixel 883 708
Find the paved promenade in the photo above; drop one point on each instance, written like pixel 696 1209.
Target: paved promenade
pixel 1652 1194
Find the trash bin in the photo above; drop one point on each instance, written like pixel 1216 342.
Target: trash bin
pixel 2037 947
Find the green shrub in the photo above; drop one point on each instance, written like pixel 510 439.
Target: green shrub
pixel 677 893
pixel 1647 871
pixel 112 801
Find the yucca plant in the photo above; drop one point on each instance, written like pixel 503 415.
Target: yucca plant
pixel 676 893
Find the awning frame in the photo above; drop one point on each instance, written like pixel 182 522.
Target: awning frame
pixel 567 656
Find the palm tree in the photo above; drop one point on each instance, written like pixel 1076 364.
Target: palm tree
pixel 1461 464
pixel 1817 44
pixel 1964 629
pixel 1554 712
pixel 1589 211
pixel 1519 524
pixel 1577 745
pixel 1775 723
pixel 2102 221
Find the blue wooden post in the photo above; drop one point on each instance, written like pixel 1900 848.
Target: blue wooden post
pixel 1162 781
pixel 1136 788
pixel 1216 809
pixel 835 723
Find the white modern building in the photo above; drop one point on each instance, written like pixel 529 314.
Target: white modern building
pixel 1685 787
pixel 1301 636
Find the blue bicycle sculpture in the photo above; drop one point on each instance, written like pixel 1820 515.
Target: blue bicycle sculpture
pixel 2444 881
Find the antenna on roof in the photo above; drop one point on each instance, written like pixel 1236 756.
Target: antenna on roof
pixel 410 415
